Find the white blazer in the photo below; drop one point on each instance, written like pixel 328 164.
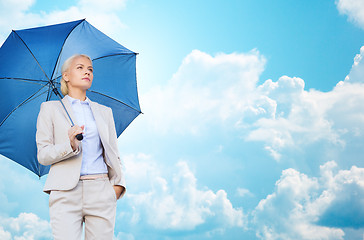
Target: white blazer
pixel 54 146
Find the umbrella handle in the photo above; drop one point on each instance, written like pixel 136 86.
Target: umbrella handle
pixel 79 137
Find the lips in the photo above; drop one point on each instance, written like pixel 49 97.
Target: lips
pixel 86 79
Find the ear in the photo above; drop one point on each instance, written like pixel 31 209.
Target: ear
pixel 65 76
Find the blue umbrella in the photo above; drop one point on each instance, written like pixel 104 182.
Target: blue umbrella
pixel 30 73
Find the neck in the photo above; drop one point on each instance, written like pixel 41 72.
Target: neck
pixel 77 94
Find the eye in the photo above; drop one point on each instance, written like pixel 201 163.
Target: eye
pixel 79 67
pixel 91 70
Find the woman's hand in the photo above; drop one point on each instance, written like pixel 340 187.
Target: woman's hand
pixel 118 190
pixel 72 132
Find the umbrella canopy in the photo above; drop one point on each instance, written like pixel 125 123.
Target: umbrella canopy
pixel 30 64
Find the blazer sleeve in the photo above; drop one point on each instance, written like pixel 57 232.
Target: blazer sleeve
pixel 49 152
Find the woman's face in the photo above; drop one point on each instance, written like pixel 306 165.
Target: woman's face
pixel 80 74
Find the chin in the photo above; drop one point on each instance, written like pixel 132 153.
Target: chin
pixel 86 86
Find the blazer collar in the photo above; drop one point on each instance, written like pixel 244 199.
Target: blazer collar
pixel 72 100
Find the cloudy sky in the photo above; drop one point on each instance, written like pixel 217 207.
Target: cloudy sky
pixel 252 126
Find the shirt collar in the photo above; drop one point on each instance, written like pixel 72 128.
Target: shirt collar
pixel 74 100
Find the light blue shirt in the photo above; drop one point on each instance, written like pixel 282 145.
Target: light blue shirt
pixel 92 151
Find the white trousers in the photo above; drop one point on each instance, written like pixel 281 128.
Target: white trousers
pixel 92 202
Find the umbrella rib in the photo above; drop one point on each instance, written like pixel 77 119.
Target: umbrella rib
pixel 116 100
pixel 22 103
pixel 60 52
pixel 34 81
pixel 49 81
pixel 132 53
pixel 32 55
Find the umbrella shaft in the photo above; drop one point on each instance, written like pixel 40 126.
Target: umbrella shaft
pixel 60 99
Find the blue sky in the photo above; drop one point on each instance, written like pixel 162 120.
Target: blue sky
pixel 252 124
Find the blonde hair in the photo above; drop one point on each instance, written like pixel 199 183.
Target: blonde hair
pixel 66 65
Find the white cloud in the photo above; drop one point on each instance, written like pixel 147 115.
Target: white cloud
pixel 243 192
pixel 102 14
pixel 27 226
pixel 354 9
pixel 306 117
pixel 312 208
pixel 221 91
pixel 343 198
pixel 175 203
pixel 4 235
pixel 205 89
pixel 357 70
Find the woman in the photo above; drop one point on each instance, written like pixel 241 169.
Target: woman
pixel 85 177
